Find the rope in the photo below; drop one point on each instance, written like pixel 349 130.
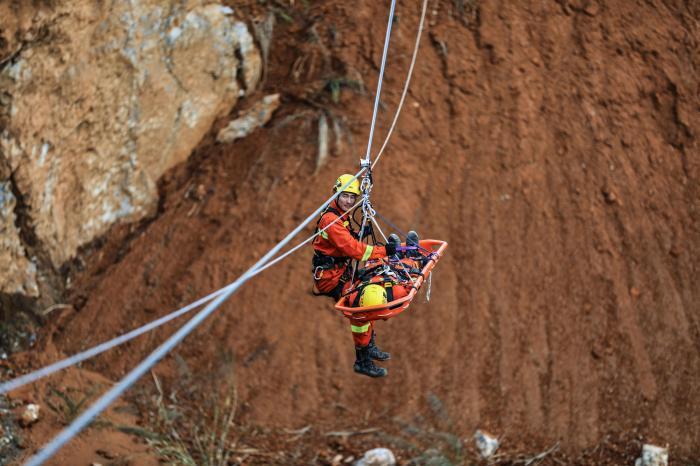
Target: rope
pixel 307 240
pixel 362 231
pixel 120 340
pixel 398 109
pixel 102 347
pixel 115 392
pixel 101 404
pixel 392 225
pixel 430 285
pixel 401 232
pixel 408 81
pixel 367 213
pixel 366 185
pixel 381 78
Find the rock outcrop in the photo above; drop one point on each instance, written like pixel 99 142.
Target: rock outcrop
pixel 250 120
pixel 87 130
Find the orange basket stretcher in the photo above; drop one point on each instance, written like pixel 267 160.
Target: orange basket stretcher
pixel 436 249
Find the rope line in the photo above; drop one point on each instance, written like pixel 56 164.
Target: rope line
pixel 120 340
pixel 367 212
pixel 398 109
pixel 303 243
pixel 102 347
pixel 379 82
pixel 108 398
pixel 408 81
pixel 392 225
pixel 401 232
pixel 115 392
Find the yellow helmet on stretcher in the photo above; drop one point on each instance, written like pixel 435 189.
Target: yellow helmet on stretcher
pixel 353 187
pixel 372 295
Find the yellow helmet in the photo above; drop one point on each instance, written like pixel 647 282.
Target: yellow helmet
pixel 372 295
pixel 353 187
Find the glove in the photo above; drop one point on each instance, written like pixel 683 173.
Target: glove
pixel 390 249
pixel 368 231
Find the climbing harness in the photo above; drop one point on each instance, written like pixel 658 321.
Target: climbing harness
pixel 321 263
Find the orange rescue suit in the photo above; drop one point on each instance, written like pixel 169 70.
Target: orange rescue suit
pixel 340 243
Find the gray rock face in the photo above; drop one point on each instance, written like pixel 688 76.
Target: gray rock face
pixel 98 100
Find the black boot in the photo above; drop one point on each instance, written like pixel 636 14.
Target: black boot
pixel 364 364
pixel 395 240
pixel 412 239
pixel 375 353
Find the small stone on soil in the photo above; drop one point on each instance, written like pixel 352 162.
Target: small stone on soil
pixel 30 415
pixel 485 443
pixel 377 457
pixel 105 454
pixel 653 456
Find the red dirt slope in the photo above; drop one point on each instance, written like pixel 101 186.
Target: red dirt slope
pixel 553 144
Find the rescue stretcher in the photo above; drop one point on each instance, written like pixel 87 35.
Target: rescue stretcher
pixel 434 249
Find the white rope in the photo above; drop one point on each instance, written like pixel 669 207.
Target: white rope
pixel 398 109
pixel 362 232
pixel 366 185
pixel 408 81
pixel 102 347
pixel 380 230
pixel 381 78
pixel 115 392
pixel 120 340
pixel 367 213
pixel 307 240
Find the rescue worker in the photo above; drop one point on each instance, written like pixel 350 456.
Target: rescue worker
pixel 336 247
pixel 334 250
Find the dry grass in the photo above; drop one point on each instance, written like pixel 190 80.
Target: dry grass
pixel 192 439
pixel 68 404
